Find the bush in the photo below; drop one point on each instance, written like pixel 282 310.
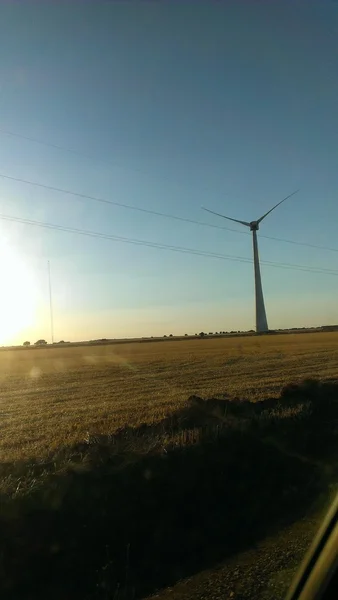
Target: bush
pixel 26 343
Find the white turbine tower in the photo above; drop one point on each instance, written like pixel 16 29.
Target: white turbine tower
pixel 261 320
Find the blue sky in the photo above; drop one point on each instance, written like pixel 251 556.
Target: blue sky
pixel 168 106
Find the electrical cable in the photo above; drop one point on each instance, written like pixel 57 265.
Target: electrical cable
pixel 157 213
pixel 181 249
pixel 168 216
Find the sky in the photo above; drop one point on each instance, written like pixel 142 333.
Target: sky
pixel 168 107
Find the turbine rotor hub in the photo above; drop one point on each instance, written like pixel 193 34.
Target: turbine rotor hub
pixel 254 226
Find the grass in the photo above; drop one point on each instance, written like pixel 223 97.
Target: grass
pixel 54 397
pixel 143 464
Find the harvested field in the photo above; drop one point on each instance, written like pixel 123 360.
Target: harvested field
pixel 52 397
pixel 118 460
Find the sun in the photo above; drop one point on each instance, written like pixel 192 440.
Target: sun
pixel 18 300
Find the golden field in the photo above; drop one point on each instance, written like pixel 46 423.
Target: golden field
pixel 52 397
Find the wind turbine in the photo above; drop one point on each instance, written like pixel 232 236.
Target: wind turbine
pixel 261 320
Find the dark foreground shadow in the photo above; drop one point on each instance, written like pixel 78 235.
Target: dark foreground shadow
pixel 121 516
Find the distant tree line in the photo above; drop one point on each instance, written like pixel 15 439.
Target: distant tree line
pixel 44 343
pixel 37 343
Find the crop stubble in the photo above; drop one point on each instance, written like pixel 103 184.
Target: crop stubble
pixel 54 397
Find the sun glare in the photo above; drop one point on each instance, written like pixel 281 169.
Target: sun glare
pixel 18 299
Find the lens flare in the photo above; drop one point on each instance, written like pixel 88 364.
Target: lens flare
pixel 18 298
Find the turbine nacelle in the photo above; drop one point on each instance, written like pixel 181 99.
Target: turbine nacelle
pixel 254 225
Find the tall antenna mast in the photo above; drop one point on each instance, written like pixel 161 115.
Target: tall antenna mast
pixel 50 304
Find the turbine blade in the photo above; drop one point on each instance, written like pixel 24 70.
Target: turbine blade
pixel 273 208
pixel 224 217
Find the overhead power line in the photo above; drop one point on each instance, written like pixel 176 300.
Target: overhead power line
pixel 93 158
pixel 49 144
pixel 154 212
pixel 181 249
